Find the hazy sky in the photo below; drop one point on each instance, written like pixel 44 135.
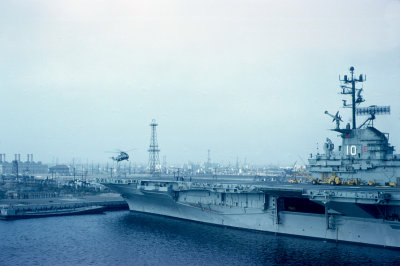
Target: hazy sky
pixel 248 79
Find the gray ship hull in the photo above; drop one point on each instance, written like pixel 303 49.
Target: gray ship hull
pixel 257 210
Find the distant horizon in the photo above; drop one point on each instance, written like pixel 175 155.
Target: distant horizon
pixel 110 162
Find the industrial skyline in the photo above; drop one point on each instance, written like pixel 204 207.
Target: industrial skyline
pixel 242 79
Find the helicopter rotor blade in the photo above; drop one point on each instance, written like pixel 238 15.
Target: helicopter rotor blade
pixel 130 150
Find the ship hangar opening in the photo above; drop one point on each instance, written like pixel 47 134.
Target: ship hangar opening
pixel 303 205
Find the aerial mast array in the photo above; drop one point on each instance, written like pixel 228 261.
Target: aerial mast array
pixel 346 90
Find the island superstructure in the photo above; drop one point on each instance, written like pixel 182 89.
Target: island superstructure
pixel 365 154
pixel 361 214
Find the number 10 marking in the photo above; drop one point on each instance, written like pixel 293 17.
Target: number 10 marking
pixel 352 150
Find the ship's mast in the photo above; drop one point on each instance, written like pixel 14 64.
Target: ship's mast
pixel 353 96
pixel 356 99
pixel 352 90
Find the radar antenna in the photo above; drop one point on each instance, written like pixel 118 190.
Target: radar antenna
pixel 336 118
pixel 352 90
pixel 372 111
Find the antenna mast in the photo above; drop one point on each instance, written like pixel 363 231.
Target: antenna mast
pixel 352 90
pixel 154 159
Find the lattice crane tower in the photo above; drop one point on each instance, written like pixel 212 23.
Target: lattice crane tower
pixel 154 158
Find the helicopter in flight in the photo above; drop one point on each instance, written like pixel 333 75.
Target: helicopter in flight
pixel 122 156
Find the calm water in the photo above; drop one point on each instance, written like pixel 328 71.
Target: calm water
pixel 124 238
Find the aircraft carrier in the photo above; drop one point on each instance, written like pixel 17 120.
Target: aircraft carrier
pixel 351 193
